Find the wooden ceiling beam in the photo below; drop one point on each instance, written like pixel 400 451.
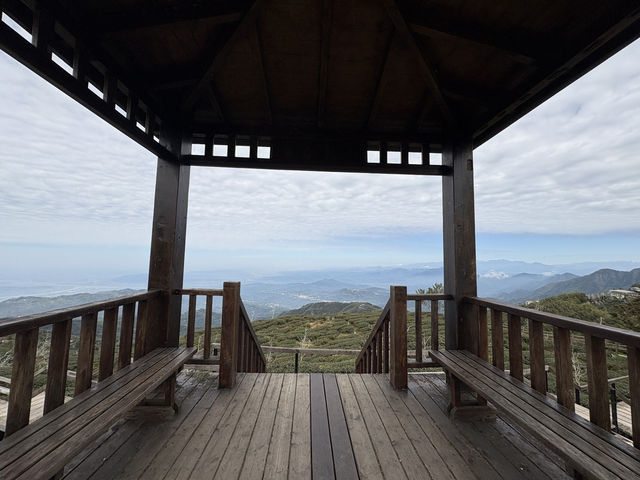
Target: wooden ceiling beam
pixel 128 21
pixel 427 71
pixel 476 36
pixel 382 73
pixel 566 71
pixel 219 52
pixel 256 49
pixel 325 46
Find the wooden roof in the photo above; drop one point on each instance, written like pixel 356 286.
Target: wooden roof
pixel 405 70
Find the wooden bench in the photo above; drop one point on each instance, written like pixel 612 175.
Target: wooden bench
pixel 42 448
pixel 589 451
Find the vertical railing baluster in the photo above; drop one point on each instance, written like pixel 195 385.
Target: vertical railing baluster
pixel 207 327
pixel 191 322
pixel 108 344
pixel 374 355
pixel 515 347
pixel 418 319
pixel 385 345
pixel 435 333
pixel 24 360
pixel 564 367
pixel 379 348
pixel 483 334
pixel 536 356
pixel 141 331
pixel 597 381
pixel 126 335
pixel 86 350
pixel 497 339
pixel 633 360
pixel 58 364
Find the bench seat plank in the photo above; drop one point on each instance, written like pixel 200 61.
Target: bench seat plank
pixel 595 454
pixel 49 443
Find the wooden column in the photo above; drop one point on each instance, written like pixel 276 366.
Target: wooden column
pixel 229 334
pixel 597 381
pixel 24 358
pixel 459 241
pixel 166 266
pixel 398 338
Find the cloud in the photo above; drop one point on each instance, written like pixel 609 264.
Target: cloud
pixel 569 167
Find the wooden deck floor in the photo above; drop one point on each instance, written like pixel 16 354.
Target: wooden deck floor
pixel 275 426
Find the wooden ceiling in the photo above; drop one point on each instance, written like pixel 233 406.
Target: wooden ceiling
pixel 407 70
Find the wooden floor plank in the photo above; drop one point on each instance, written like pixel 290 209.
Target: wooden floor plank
pixel 406 451
pixel 480 466
pixel 300 453
pixel 389 463
pixel 343 459
pixel 205 437
pixel 321 452
pixel 255 459
pixel 367 463
pixel 231 460
pixel 277 463
pixel 137 454
pixel 537 467
pixel 422 443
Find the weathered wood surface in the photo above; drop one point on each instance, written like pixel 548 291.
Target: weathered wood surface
pixel 264 426
pixel 585 447
pixel 42 448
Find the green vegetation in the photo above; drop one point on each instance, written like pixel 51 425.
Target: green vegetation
pixel 332 308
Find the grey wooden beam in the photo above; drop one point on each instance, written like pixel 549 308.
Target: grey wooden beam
pixel 381 79
pixel 256 49
pixel 325 47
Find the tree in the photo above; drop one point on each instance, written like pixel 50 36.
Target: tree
pixel 627 315
pixel 436 288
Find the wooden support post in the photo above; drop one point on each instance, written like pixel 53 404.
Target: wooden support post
pixel 143 333
pixel 515 347
pixel 168 238
pixel 418 320
pixel 24 359
pixel 597 381
pixel 57 369
pixel 398 336
pixel 497 339
pixel 536 356
pixel 564 367
pixel 108 344
pixel 459 240
pixel 86 349
pixel 633 359
pixel 229 334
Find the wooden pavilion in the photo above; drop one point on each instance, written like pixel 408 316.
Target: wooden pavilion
pixel 369 86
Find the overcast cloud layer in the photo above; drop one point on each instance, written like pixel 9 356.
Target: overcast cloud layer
pixel 571 167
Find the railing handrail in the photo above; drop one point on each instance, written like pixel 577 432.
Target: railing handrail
pixel 304 351
pixel 217 292
pixel 9 326
pixel 619 335
pixel 247 321
pixel 383 315
pixel 429 296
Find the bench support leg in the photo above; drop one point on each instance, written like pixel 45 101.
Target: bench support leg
pixel 455 397
pixel 170 393
pixel 457 410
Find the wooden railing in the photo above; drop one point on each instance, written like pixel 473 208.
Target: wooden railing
pixel 240 350
pixel 208 317
pixel 434 300
pixel 26 330
pixel 385 351
pixel 476 340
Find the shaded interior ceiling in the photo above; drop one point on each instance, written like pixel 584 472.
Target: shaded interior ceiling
pixel 425 70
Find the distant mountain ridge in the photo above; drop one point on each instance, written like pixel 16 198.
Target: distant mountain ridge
pixel 332 308
pixel 600 281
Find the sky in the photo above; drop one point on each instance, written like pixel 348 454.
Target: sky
pixel 561 185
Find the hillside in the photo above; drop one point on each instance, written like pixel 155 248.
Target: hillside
pixel 332 308
pixel 600 281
